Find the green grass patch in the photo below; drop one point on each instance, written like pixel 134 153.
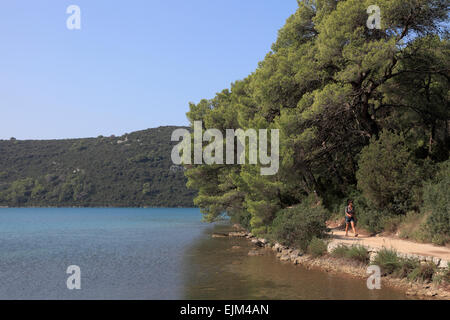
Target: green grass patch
pixel 412 269
pixel 356 252
pixel 388 261
pixel 407 266
pixel 317 247
pixel 423 272
pixel 442 276
pixel 340 251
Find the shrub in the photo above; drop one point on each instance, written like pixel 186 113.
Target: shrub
pixel 391 263
pixel 446 275
pixel 337 206
pixel 436 197
pixel 340 251
pixel 387 176
pixel 388 261
pixel 406 267
pixel 260 231
pixel 242 218
pixel 367 217
pixel 423 272
pixel 21 190
pixel 317 247
pixel 299 225
pixel 412 269
pixel 443 276
pixel 412 226
pixel 391 223
pixel 440 239
pixel 358 253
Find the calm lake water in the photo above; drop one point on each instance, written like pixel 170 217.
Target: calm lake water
pixel 148 254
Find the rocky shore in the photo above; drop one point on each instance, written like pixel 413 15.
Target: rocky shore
pixel 328 263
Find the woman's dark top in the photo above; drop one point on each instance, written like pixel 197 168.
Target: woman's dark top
pixel 351 212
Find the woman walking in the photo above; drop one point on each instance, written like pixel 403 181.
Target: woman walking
pixel 350 217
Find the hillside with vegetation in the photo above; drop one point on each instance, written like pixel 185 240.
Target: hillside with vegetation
pixel 363 114
pixel 133 170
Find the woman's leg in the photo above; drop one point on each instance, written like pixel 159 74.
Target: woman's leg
pixel 346 228
pixel 353 227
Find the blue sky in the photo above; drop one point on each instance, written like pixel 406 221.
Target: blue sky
pixel 133 65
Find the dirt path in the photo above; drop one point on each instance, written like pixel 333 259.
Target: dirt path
pixel 401 246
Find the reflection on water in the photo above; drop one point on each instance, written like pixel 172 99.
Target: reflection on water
pixel 216 270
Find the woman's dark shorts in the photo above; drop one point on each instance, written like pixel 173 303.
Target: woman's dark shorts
pixel 349 219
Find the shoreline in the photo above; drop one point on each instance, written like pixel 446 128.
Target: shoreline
pixel 94 207
pixel 339 266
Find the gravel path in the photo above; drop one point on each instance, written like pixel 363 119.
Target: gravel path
pixel 401 246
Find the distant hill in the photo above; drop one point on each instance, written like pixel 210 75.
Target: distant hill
pixel 133 170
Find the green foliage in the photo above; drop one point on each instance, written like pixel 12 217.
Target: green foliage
pixel 391 223
pixel 38 191
pixel 442 276
pixel 440 239
pixel 20 191
pixel 413 227
pixel 317 247
pixel 437 202
pixel 367 216
pixel 371 220
pixel 432 224
pixel 407 267
pixel 243 219
pixel 412 269
pixel 388 261
pixel 387 175
pixel 340 251
pixel 146 189
pixel 446 274
pixel 423 272
pixel 130 171
pixel 359 253
pixel 333 87
pixel 299 225
pixel 356 252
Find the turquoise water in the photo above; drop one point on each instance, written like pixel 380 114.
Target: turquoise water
pixel 122 253
pixel 148 254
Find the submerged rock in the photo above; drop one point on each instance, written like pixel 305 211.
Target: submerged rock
pixel 237 234
pixel 219 235
pixel 295 254
pixel 262 240
pixel 287 252
pixel 276 247
pixel 255 253
pixel 258 242
pixel 285 257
